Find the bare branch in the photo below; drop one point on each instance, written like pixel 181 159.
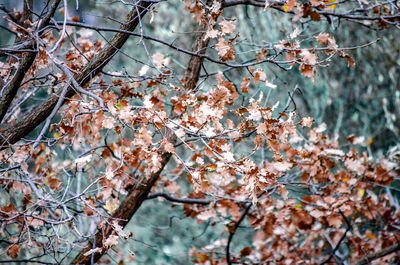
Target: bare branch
pixel 178 200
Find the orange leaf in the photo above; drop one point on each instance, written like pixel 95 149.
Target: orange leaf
pixel 307 70
pixel 245 85
pixel 13 251
pixel 54 183
pixel 75 19
pixel 246 251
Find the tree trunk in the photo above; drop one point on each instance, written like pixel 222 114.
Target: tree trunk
pixel 137 195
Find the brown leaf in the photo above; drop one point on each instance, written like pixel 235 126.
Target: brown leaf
pixel 283 192
pixel 261 55
pixel 152 83
pixel 334 220
pixel 307 122
pixel 89 206
pixel 111 241
pixel 172 186
pixel 168 147
pixel 244 86
pixel 290 5
pixel 54 183
pixel 75 19
pixel 315 16
pixel 317 213
pixel 35 222
pixel 225 50
pixel 159 60
pixel 309 57
pixel 323 38
pixel 290 57
pixel 259 74
pixel 13 251
pixel 307 70
pixel 143 137
pixel 350 61
pixel 245 251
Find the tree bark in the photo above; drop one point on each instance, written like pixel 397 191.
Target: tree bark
pixel 136 196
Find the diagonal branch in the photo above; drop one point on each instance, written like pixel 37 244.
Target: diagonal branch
pixel 139 193
pixel 14 133
pixel 233 231
pixel 235 226
pixel 9 91
pixel 332 255
pixel 379 254
pixel 178 200
pixel 123 214
pixel 278 5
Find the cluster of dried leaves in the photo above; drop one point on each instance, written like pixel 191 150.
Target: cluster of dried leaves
pixel 306 199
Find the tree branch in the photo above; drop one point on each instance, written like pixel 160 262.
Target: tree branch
pixel 379 254
pixel 278 6
pixel 232 231
pixel 14 133
pixel 178 200
pixel 140 192
pixel 9 91
pixel 349 227
pixel 179 49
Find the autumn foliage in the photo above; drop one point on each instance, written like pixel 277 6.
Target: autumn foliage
pixel 77 165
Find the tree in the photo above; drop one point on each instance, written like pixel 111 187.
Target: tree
pixel 84 147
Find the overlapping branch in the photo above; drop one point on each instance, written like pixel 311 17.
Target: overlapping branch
pixel 9 91
pixel 14 133
pixel 139 192
pixel 356 14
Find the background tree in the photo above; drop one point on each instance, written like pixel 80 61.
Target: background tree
pixel 99 115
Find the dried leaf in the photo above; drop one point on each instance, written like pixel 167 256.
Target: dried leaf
pixel 111 241
pixel 261 55
pixel 307 70
pixel 82 161
pixel 89 207
pixel 295 33
pixel 245 85
pixel 13 251
pixel 54 183
pixel 225 50
pixel 245 251
pixel 259 74
pixel 159 60
pixel 317 213
pixel 168 147
pixel 334 220
pixel 307 122
pixel 227 27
